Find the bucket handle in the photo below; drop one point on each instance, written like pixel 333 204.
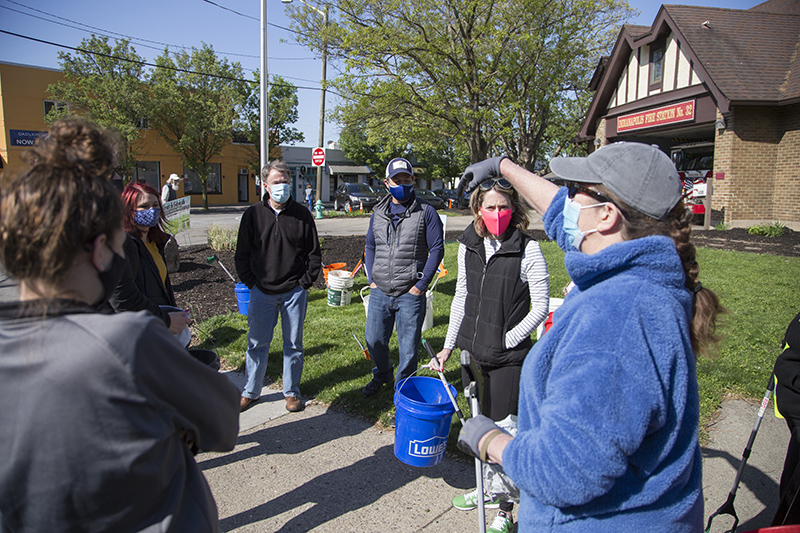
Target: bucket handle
pixel 403 383
pixel 361 293
pixel 446 388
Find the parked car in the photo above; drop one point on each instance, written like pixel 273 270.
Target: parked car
pixel 352 196
pixel 446 194
pixel 431 198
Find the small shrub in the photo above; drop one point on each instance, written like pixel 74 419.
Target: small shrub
pixel 768 230
pixel 221 238
pixel 721 227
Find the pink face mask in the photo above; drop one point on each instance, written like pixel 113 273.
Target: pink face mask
pixel 496 222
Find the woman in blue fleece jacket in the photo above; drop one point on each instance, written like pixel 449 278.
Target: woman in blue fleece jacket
pixel 608 413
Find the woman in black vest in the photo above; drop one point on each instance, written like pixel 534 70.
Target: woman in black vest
pixel 502 295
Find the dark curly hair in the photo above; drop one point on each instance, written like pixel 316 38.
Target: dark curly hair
pixel 60 202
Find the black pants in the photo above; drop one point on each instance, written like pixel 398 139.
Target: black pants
pixel 499 396
pixel 499 392
pixel 789 508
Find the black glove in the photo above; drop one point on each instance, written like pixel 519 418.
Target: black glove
pixel 477 173
pixel 473 431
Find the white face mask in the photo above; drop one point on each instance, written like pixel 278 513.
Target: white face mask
pixel 571 213
pixel 280 192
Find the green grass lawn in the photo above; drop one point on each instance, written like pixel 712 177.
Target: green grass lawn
pixel 760 293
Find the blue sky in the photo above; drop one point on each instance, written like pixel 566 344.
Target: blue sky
pixel 177 23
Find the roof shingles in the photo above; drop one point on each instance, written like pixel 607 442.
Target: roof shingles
pixel 749 55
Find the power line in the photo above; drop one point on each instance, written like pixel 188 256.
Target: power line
pixel 231 10
pixel 249 16
pixel 148 64
pixel 109 33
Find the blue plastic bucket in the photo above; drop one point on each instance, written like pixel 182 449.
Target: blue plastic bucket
pixel 242 298
pixel 422 421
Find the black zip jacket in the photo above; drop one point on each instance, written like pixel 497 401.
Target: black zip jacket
pixel 277 252
pixel 140 287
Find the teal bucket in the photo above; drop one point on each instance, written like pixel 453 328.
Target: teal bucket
pixel 422 420
pixel 242 298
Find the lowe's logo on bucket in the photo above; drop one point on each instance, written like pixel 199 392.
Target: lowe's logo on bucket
pixel 427 448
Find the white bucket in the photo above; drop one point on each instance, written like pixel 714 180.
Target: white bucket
pixel 340 288
pixel 426 324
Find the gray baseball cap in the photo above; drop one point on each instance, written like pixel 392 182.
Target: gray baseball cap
pixel 641 175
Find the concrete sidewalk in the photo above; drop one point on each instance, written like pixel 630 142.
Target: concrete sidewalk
pixel 321 470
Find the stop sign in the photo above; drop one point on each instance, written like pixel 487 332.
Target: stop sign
pixel 318 157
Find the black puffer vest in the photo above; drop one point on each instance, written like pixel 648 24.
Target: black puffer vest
pixel 400 252
pixel 496 299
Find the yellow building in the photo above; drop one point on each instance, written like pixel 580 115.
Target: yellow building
pixel 24 102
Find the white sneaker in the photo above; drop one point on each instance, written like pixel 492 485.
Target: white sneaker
pixel 502 523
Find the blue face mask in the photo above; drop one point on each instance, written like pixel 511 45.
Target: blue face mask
pixel 401 192
pixel 147 217
pixel 280 192
pixel 572 211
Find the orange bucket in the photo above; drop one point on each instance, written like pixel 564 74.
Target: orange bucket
pixel 332 266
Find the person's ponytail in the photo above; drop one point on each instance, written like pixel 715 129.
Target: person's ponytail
pixel 705 304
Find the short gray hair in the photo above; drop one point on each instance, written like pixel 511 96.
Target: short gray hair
pixel 278 165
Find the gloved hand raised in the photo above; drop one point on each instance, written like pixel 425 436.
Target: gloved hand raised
pixel 477 173
pixel 473 431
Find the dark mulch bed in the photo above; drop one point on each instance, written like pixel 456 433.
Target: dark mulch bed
pixel 204 287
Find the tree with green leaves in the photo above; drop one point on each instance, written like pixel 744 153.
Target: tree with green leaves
pixel 497 76
pixel 282 114
pixel 107 85
pixel 442 159
pixel 197 100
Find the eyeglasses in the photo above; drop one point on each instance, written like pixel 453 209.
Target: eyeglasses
pixel 575 188
pixel 501 183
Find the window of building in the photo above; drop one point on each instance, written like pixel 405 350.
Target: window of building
pixel 657 65
pixel 143 123
pixel 50 105
pixel 148 172
pixel 192 184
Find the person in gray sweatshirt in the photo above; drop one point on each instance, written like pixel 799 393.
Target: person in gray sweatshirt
pixel 102 413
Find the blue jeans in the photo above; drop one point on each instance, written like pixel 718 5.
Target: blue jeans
pixel 262 316
pixel 408 311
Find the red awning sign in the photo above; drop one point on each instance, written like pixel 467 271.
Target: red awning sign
pixel 660 116
pixel 318 157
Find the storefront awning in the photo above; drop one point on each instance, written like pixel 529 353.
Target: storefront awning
pixel 349 169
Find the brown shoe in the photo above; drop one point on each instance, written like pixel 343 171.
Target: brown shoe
pixel 293 404
pixel 245 403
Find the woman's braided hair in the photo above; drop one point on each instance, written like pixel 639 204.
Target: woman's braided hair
pixel 677 226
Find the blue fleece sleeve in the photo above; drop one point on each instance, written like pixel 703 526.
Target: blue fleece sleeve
pixel 369 252
pixel 434 236
pixel 553 220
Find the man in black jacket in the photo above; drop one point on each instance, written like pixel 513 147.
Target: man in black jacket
pixel 278 257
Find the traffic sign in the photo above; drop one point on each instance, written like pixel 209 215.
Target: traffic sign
pixel 318 157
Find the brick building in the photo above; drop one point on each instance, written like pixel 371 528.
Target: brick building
pixel 25 101
pixel 719 89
